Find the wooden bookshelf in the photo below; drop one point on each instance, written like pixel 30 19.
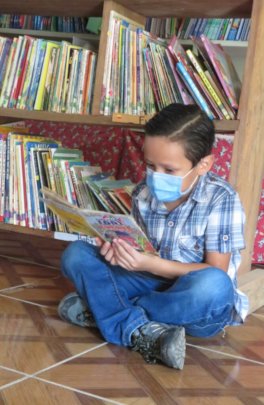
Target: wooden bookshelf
pixel 177 8
pixel 247 162
pixel 49 34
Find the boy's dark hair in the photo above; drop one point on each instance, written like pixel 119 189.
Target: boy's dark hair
pixel 186 124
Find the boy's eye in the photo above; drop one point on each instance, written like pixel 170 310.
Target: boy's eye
pixel 169 171
pixel 150 166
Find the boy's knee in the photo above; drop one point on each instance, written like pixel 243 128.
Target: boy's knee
pixel 213 285
pixel 75 255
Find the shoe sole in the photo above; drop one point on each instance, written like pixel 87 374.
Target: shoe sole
pixel 173 355
pixel 67 302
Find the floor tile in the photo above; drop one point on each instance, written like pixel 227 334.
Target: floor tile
pixel 33 338
pixel 38 393
pixel 66 364
pixel 8 377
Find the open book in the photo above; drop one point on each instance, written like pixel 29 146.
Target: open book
pixel 105 225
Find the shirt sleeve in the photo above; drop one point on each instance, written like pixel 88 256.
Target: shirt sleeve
pixel 225 228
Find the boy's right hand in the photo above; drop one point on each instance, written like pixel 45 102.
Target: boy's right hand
pixel 106 250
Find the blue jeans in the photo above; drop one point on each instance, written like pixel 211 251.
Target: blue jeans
pixel 122 301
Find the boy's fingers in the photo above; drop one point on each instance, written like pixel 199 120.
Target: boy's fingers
pixel 105 247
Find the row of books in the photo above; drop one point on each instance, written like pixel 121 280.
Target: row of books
pixel 143 73
pixel 225 29
pixel 44 23
pixel 204 73
pixel 39 74
pixel 126 87
pixel 163 27
pixel 28 163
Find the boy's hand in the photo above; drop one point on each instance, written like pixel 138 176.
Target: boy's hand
pixel 106 250
pixel 128 257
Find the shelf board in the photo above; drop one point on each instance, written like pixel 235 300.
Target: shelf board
pixel 48 34
pixel 26 231
pixel 154 8
pixel 224 44
pixel 220 125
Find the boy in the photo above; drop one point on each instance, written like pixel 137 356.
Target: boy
pixel 195 221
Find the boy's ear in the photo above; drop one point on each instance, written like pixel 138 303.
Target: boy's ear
pixel 205 164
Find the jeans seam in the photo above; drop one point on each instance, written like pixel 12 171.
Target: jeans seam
pixel 137 322
pixel 207 318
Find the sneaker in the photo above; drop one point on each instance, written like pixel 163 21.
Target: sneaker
pixel 159 341
pixel 74 310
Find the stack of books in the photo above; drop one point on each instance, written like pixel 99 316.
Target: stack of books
pixel 223 29
pixel 143 73
pixel 30 162
pixel 38 74
pixel 43 23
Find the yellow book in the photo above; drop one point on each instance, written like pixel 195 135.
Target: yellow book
pixel 41 87
pixel 66 80
pixel 207 83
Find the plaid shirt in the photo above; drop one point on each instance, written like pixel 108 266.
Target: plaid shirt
pixel 211 220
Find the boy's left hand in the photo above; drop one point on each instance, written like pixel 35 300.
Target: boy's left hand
pixel 128 257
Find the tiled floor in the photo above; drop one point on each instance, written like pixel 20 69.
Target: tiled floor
pixel 44 361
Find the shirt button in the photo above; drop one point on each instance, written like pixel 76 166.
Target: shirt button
pixel 166 249
pixel 225 238
pixel 170 224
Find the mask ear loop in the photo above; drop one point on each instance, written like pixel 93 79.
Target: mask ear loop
pixel 191 186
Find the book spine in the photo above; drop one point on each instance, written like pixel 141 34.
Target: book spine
pixel 207 83
pixel 193 89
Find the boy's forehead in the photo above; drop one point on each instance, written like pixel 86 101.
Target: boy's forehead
pixel 161 147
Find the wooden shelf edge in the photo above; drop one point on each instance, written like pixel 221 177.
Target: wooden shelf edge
pixel 38 233
pixel 220 125
pixel 49 34
pixel 26 231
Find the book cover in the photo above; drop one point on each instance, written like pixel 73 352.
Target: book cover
pixel 225 70
pixel 39 101
pixel 36 74
pixel 194 60
pixel 105 225
pixel 193 89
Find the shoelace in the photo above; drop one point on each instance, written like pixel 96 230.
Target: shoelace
pixel 147 347
pixel 85 316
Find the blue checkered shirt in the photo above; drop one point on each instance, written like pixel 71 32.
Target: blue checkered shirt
pixel 212 220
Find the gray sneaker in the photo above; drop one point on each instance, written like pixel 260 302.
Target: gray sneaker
pixel 159 341
pixel 73 309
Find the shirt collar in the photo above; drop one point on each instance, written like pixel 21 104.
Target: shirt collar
pixel 199 193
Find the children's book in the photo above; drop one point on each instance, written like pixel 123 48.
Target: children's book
pixel 103 224
pixel 225 70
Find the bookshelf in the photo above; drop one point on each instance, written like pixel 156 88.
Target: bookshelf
pixel 247 161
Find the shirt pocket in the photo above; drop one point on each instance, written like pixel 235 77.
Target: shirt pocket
pixel 191 249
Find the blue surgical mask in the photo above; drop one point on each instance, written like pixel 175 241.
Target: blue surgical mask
pixel 167 187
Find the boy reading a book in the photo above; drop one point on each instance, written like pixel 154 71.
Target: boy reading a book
pixel 195 221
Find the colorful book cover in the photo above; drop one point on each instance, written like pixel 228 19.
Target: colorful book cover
pixel 4 60
pixel 19 72
pixel 225 71
pixel 30 143
pixel 24 71
pixel 7 77
pixel 23 97
pixel 193 89
pixel 67 74
pixel 13 70
pixel 41 51
pixel 39 101
pixel 207 83
pixel 105 225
